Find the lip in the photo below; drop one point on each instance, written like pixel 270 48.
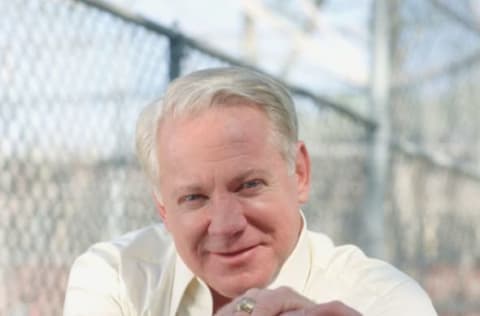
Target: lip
pixel 234 252
pixel 237 256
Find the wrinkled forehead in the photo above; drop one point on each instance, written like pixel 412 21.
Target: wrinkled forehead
pixel 230 121
pixel 218 112
pixel 213 135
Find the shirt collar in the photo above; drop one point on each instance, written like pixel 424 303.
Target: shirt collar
pixel 295 271
pixel 294 274
pixel 183 278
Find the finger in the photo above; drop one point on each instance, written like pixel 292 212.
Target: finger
pixel 245 305
pixel 334 308
pixel 252 293
pixel 249 302
pixel 233 307
pixel 298 312
pixel 280 300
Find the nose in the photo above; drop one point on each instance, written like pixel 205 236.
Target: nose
pixel 227 217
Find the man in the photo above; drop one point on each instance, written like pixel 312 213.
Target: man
pixel 229 177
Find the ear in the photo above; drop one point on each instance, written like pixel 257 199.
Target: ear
pixel 160 208
pixel 302 172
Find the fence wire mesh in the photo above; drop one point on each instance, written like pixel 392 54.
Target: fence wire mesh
pixel 433 209
pixel 73 79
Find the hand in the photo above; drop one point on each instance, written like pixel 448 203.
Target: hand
pixel 284 301
pixel 334 308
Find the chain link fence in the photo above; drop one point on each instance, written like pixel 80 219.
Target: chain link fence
pixel 73 78
pixel 433 209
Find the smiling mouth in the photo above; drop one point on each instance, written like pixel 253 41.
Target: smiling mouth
pixel 232 254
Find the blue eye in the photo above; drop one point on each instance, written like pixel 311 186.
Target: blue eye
pixel 252 184
pixel 192 201
pixel 191 197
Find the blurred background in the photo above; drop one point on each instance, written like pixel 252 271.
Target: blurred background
pixel 386 93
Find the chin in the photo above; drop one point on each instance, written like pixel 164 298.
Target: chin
pixel 232 287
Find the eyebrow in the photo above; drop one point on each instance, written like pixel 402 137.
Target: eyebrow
pixel 187 188
pixel 248 173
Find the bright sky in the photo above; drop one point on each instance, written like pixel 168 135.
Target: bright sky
pixel 333 58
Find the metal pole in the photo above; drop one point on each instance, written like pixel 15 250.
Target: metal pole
pixel 176 54
pixel 380 150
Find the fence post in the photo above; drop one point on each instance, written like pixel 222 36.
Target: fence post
pixel 176 46
pixel 379 164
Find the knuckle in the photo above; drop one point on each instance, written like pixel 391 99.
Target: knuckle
pixel 284 290
pixel 265 295
pixel 253 292
pixel 337 304
pixel 331 308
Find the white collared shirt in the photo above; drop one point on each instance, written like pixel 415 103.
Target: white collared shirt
pixel 140 274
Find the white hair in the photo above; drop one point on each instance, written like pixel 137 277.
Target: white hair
pixel 203 89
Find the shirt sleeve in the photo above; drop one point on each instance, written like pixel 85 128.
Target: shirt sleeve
pixel 372 286
pixel 94 287
pixel 407 298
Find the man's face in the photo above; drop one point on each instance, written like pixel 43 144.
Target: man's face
pixel 228 198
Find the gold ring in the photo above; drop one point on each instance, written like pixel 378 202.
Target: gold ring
pixel 246 304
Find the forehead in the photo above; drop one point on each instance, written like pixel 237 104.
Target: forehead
pixel 217 135
pixel 213 125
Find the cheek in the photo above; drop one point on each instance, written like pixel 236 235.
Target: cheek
pixel 278 216
pixel 188 230
pixel 269 215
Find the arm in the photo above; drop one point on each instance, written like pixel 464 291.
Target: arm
pixel 407 298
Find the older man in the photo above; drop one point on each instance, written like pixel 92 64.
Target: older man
pixel 229 176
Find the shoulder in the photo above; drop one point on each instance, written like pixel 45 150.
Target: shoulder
pixel 351 266
pixel 125 269
pixel 374 284
pixel 150 244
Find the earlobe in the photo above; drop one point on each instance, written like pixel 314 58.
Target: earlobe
pixel 302 170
